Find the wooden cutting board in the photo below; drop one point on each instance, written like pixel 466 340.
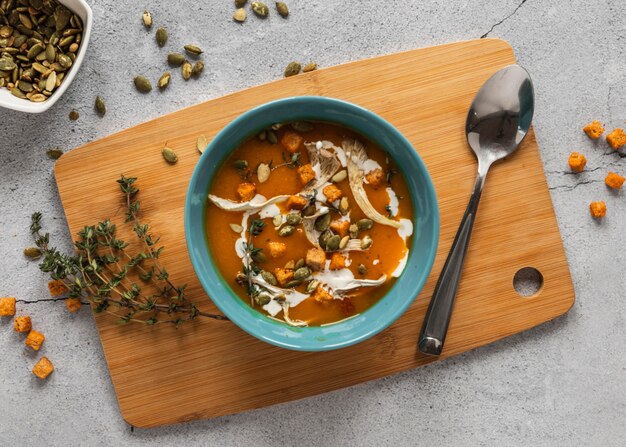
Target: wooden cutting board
pixel 211 368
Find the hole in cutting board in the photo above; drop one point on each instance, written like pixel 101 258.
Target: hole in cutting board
pixel 527 282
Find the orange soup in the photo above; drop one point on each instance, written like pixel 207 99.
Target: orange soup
pixel 309 222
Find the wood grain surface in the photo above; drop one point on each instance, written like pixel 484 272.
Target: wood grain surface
pixel 210 368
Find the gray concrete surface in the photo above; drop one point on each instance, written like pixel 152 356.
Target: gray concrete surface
pixel 563 383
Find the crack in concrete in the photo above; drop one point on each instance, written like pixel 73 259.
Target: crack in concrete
pixel 43 300
pixel 504 19
pixel 573 187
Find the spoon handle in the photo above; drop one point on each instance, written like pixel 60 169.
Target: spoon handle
pixel 437 318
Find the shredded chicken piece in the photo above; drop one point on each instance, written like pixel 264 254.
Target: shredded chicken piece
pixel 255 204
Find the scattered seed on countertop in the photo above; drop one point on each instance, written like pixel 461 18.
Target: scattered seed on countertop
pixel 292 69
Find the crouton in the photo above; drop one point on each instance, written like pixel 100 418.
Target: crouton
pixel 616 139
pixel 291 141
pixel 22 324
pixel 577 162
pixel 614 180
pixel 341 227
pixel 332 193
pixel 598 209
pixel 321 294
pixel 283 276
pixel 73 304
pixel 296 202
pixel 337 261
pixel 375 177
pixel 594 129
pixel 35 340
pixel 56 287
pixel 276 249
pixel 315 259
pixel 7 307
pixel 306 173
pixel 43 368
pixel 246 191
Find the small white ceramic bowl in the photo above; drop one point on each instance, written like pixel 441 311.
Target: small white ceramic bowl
pixel 7 100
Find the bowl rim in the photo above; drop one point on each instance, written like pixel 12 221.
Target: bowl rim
pixel 7 99
pixel 254 322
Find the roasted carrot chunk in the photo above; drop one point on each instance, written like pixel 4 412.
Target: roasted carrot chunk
pixel 616 139
pixel 291 141
pixel 246 191
pixel 594 129
pixel 577 162
pixel 337 261
pixel 614 180
pixel 598 209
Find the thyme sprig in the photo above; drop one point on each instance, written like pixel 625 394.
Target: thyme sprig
pixel 291 161
pixel 104 270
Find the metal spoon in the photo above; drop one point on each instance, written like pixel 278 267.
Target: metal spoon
pixel 497 122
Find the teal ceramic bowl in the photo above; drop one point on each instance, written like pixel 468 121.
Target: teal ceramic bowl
pixel 423 243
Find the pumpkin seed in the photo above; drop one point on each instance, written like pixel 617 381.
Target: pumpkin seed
pixel 340 176
pixel 197 69
pixel 301 126
pixel 262 135
pixel 142 84
pixel 51 53
pixel 311 286
pixel 299 264
pixel 240 15
pixel 100 106
pixel 146 17
pixel 308 211
pixel 269 277
pixel 324 237
pixel 292 69
pixel 259 257
pixel 322 223
pixel 161 36
pixel 263 172
pixel 201 143
pixel 73 114
pixel 302 273
pixel 24 86
pixel 169 155
pixel 333 243
pixel 293 283
pixel 260 9
pixel 290 265
pixel 236 228
pixel 293 219
pixel 37 97
pixel 277 220
pixel 32 252
pixel 344 241
pixel 240 164
pixel 51 84
pixel 271 136
pixel 35 50
pixel 362 269
pixel 366 242
pixel 309 67
pixel 282 9
pixel 164 80
pixel 55 153
pixel 193 50
pixel 365 224
pixel 64 61
pixel 175 59
pixel 186 70
pixel 7 64
pixel 263 298
pixel 287 230
pixel 240 3
pixel 344 205
pixel 73 48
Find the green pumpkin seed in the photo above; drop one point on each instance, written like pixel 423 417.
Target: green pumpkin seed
pixel 282 9
pixel 293 283
pixel 240 164
pixel 269 277
pixel 51 83
pixel 64 61
pixel 32 252
pixel 240 15
pixel 271 136
pixel 6 31
pixel 263 172
pixel 322 223
pixel 24 86
pixel 277 220
pixel 7 64
pixel 344 242
pixel 301 126
pixel 161 36
pixel 201 143
pixel 259 257
pixel 309 67
pixel 263 298
pixel 197 69
pixel 51 53
pixel 240 3
pixel 302 273
pixel 100 106
pixel 169 155
pixel 73 48
pixel 35 50
pixel 236 228
pixel 260 9
pixel 365 224
pixel 186 70
pixel 73 114
pixel 146 17
pixel 287 230
pixel 311 286
pixel 362 269
pixel 366 242
pixel 175 59
pixel 340 176
pixel 299 264
pixel 344 205
pixel 293 219
pixel 164 80
pixel 55 153
pixel 62 17
pixel 37 97
pixel 333 243
pixel 324 237
pixel 308 211
pixel 142 84
pixel 193 50
pixel 292 69
pixel 26 21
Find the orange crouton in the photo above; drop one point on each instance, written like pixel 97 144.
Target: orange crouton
pixel 43 368
pixel 296 202
pixel 375 177
pixel 315 259
pixel 337 261
pixel 7 307
pixel 283 275
pixel 341 227
pixel 332 193
pixel 616 139
pixel 73 304
pixel 577 162
pixel 598 209
pixel 594 129
pixel 22 324
pixel 614 180
pixel 276 249
pixel 35 340
pixel 291 141
pixel 246 191
pixel 320 294
pixel 56 287
pixel 306 173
